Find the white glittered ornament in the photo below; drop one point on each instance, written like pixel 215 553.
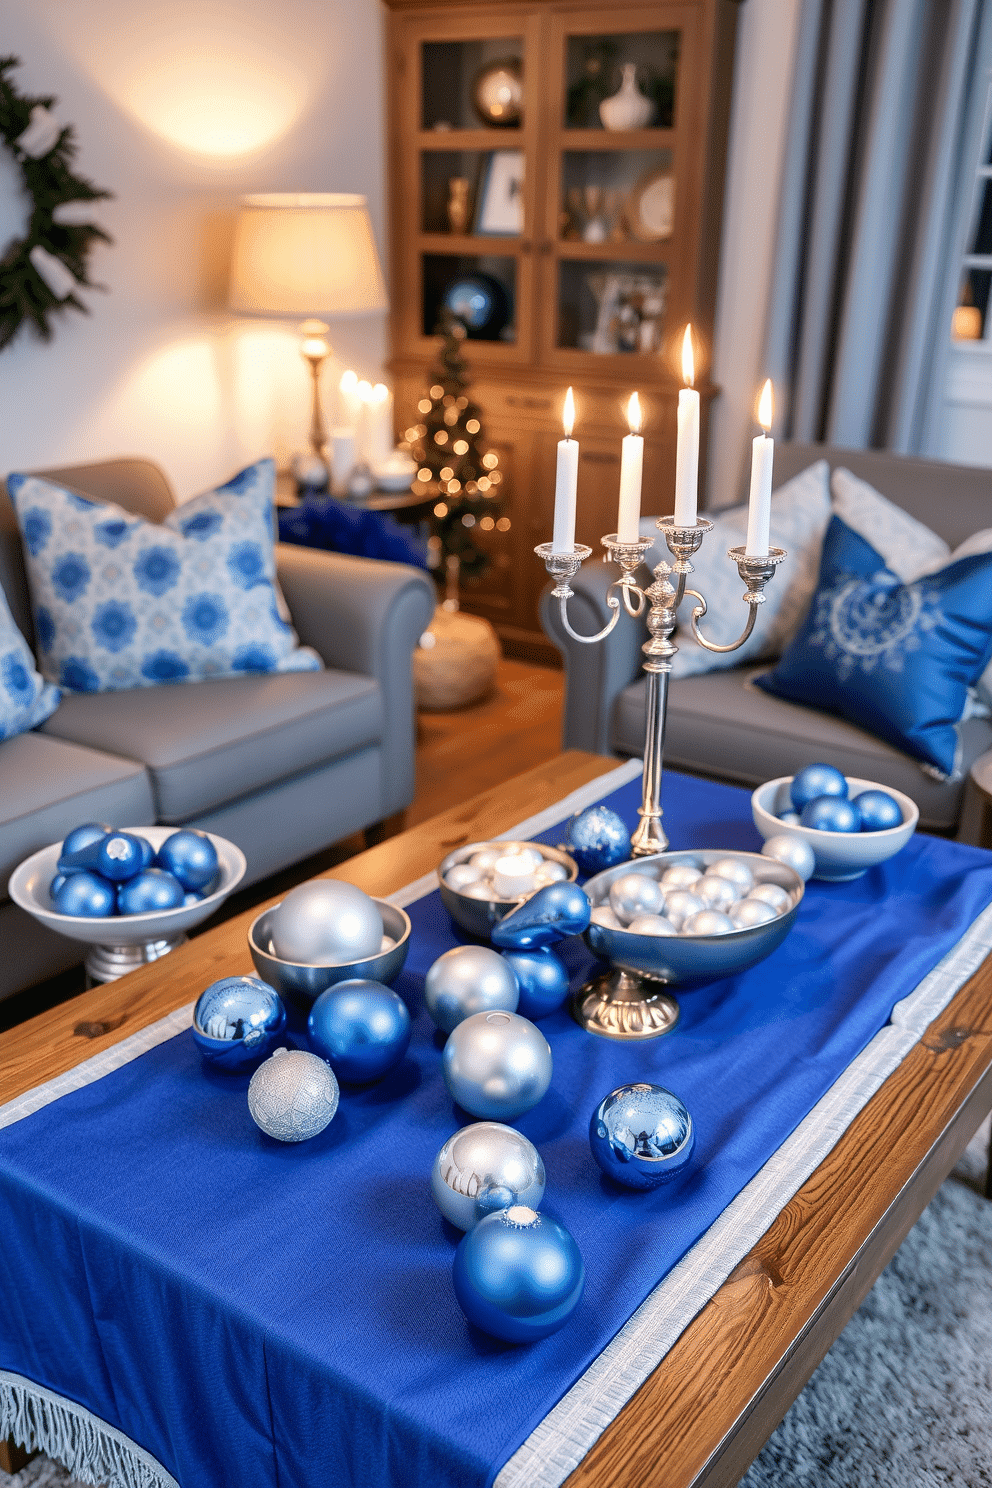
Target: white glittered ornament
pixel 293 1095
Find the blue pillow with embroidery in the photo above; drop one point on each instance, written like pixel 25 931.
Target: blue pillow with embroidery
pixel 896 659
pixel 120 602
pixel 26 699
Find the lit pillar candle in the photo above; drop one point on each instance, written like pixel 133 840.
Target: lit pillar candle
pixel 631 466
pixel 762 457
pixel 687 448
pixel 566 482
pixel 351 403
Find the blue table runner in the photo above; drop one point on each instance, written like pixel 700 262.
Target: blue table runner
pixel 283 1315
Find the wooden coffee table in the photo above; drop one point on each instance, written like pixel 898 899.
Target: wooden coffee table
pixel 705 1412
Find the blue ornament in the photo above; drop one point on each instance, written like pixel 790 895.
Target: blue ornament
pixel 360 1027
pixel 518 1275
pixel 830 814
pixel 82 836
pixel 149 892
pixel 598 838
pixel 817 780
pixel 117 856
pixel 86 895
pixel 237 1021
pixel 542 979
pixel 545 918
pixel 190 856
pixel 879 811
pixel 147 851
pixel 641 1135
pixel 56 884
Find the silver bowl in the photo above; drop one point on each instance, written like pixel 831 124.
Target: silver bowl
pixel 628 1002
pixel 478 916
pixel 301 980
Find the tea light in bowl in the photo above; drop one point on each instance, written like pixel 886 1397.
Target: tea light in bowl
pixel 513 875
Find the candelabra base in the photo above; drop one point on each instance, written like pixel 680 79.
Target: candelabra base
pixel 619 1005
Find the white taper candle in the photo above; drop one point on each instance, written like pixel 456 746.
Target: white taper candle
pixel 687 447
pixel 631 469
pixel 566 482
pixel 762 459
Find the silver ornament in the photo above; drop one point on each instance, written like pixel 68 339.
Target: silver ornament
pixel 603 915
pixel 747 913
pixel 717 893
pixel 680 876
pixel 461 875
pixel 497 1065
pixel 293 1095
pixel 651 925
pixel 325 923
pixel 707 922
pixel 680 904
pixel 467 980
pixel 736 871
pixel 387 944
pixel 790 818
pixel 635 894
pixel 481 889
pixel 485 859
pixel 535 855
pixel 549 873
pixel 773 895
pixel 795 852
pixel 483 1167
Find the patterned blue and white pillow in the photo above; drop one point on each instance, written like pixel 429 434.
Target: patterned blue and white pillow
pixel 26 699
pixel 120 602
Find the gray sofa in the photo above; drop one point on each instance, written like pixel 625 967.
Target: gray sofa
pixel 718 725
pixel 283 765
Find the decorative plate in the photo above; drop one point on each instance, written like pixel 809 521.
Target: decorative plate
pixel 650 206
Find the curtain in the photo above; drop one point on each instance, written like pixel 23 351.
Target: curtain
pixel 885 131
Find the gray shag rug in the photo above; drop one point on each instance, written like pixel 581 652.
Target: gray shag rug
pixel 904 1397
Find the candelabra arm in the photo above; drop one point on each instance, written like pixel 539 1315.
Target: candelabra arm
pixel 755 572
pixel 562 567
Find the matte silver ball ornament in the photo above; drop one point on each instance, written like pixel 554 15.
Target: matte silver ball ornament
pixel 680 876
pixel 549 873
pixel 707 922
pixel 747 913
pixel 293 1095
pixel 603 915
pixel 497 1065
pixel 461 875
pixel 484 1167
pixel 795 852
pixel 680 904
pixel 481 889
pixel 736 871
pixel 467 980
pixel 773 895
pixel 651 925
pixel 634 894
pixel 641 1135
pixel 326 922
pixel 487 858
pixel 716 892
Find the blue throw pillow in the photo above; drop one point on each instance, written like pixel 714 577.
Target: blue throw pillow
pixel 120 602
pixel 895 659
pixel 26 699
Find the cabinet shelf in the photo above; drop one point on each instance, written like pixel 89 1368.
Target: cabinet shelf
pixel 624 251
pixel 617 139
pixel 474 139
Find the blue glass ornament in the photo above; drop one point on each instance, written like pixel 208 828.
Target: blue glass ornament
pixel 237 1021
pixel 150 892
pixel 86 895
pixel 816 780
pixel 879 811
pixel 598 838
pixel 82 836
pixel 518 1275
pixel 147 851
pixel 361 1027
pixel 830 814
pixel 117 856
pixel 545 918
pixel 190 856
pixel 56 884
pixel 641 1135
pixel 542 979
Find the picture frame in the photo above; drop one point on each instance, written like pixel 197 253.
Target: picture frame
pixel 500 198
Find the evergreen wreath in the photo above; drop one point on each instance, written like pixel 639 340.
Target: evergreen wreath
pixel 59 236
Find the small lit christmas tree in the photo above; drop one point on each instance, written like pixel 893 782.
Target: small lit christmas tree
pixel 447 444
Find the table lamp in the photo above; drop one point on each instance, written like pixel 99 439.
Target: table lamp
pixel 308 254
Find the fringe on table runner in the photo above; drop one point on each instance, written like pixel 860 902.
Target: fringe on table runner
pixel 91 1449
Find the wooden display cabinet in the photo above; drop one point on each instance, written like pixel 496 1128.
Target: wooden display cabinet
pixel 593 247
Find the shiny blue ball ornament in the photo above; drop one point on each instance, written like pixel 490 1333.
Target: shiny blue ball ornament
pixel 147 851
pixel 879 811
pixel 56 884
pixel 237 1022
pixel 597 838
pixel 518 1275
pixel 641 1135
pixel 87 896
pixel 817 780
pixel 190 856
pixel 80 837
pixel 830 814
pixel 150 892
pixel 117 856
pixel 542 979
pixel 555 911
pixel 361 1027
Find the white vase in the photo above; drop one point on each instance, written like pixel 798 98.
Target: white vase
pixel 628 108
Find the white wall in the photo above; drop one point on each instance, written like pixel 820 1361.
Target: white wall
pixel 766 38
pixel 179 107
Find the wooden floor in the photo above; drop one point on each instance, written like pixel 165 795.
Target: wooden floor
pixel 458 755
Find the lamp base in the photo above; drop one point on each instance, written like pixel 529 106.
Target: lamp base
pixel 620 1005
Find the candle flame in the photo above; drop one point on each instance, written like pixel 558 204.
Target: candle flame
pixel 634 414
pixel 349 382
pixel 568 414
pixel 688 363
pixel 765 406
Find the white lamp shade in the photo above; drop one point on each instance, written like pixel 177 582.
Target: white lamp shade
pixel 306 254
